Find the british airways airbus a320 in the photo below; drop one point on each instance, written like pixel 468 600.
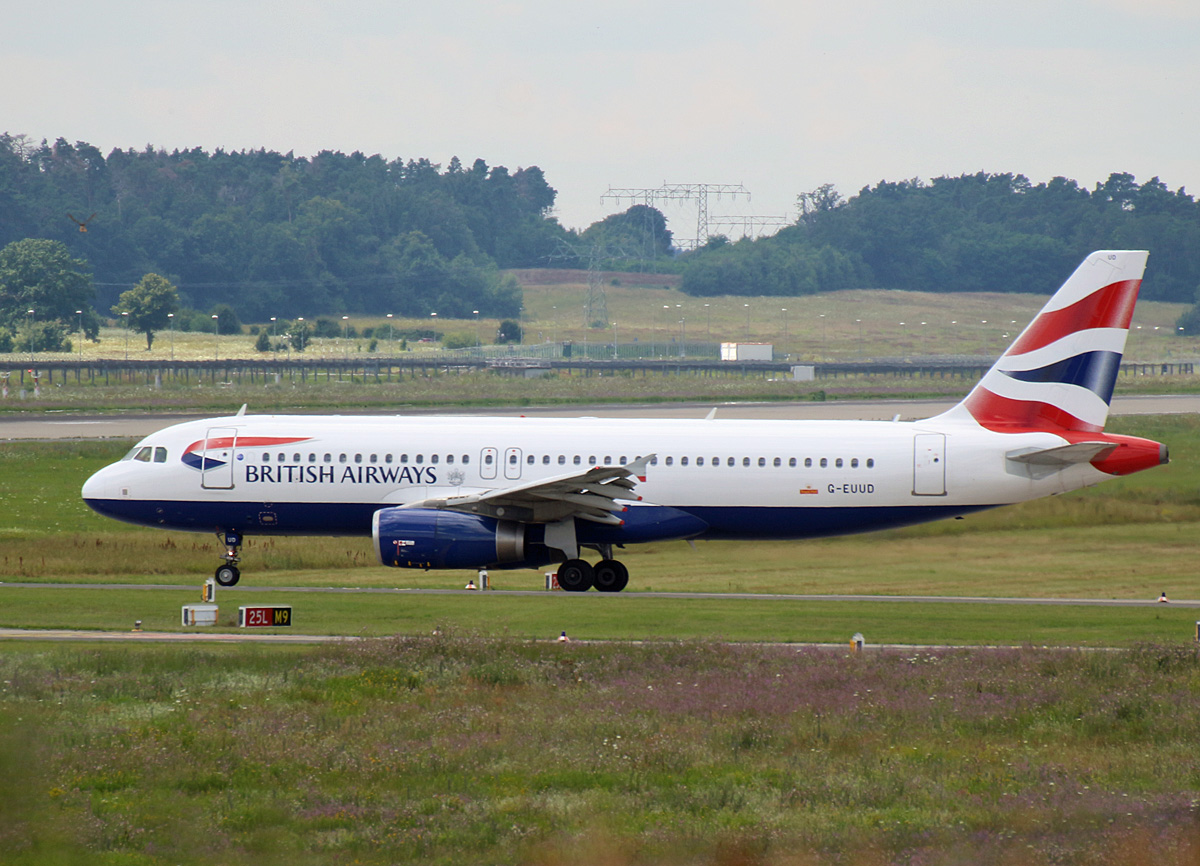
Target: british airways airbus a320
pixel 466 493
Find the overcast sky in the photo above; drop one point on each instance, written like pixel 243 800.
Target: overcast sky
pixel 778 95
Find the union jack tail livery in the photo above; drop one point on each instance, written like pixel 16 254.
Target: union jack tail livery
pixel 1059 373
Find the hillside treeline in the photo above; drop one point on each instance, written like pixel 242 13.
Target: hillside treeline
pixel 275 234
pixel 981 232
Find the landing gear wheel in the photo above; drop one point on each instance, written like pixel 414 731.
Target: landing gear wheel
pixel 575 575
pixel 610 576
pixel 227 575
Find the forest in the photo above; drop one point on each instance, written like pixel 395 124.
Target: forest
pixel 981 232
pixel 264 233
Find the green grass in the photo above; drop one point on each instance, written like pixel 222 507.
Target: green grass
pixel 465 749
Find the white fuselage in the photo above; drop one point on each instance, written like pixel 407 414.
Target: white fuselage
pixel 743 479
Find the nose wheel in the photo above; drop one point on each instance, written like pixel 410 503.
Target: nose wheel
pixel 229 574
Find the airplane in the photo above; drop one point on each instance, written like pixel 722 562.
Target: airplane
pixel 451 492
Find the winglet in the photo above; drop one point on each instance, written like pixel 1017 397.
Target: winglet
pixel 638 467
pixel 242 411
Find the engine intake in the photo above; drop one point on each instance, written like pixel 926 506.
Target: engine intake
pixel 428 538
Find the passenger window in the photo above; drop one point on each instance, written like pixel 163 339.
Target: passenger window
pixel 404 458
pixel 730 462
pixel 433 459
pixel 420 458
pixel 745 461
pixel 545 459
pixel 592 460
pixel 512 459
pixel 762 461
pixel 530 460
pixel 374 458
pixel 607 460
pixel 312 458
pixel 824 462
pixel 295 458
pixel 683 461
pixel 341 458
pixel 562 459
pixel 669 460
pixel 792 462
pixel 838 463
pixel 870 462
pixel 328 458
pixel 160 455
pixel 853 462
pixel 282 458
pixel 623 460
pixel 487 459
pixel 577 460
pixel 699 461
pixel 807 462
pixel 466 458
pixel 449 458
pixel 654 460
pixel 778 462
pixel 387 458
pixel 266 458
pixel 358 458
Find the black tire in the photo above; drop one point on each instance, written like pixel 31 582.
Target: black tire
pixel 610 576
pixel 227 575
pixel 575 575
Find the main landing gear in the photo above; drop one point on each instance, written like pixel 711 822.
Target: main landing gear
pixel 607 575
pixel 228 574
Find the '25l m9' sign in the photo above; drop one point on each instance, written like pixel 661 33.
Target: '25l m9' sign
pixel 264 617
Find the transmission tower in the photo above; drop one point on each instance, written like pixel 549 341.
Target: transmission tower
pixel 699 192
pixel 751 226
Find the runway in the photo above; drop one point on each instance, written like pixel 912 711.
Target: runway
pixel 53 425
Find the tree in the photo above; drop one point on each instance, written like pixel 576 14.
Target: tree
pixel 41 275
pixel 149 305
pixel 508 332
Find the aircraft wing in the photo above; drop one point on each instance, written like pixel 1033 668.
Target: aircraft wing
pixel 590 495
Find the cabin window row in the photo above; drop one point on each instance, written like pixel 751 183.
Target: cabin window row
pixel 777 462
pixel 282 457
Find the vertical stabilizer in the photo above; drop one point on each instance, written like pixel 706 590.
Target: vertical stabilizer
pixel 1060 372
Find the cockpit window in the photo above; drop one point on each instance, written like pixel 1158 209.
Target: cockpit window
pixel 160 455
pixel 132 452
pixel 144 453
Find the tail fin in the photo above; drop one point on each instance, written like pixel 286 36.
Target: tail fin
pixel 1060 372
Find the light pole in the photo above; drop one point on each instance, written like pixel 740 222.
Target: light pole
pixel 707 323
pixel 614 326
pixel 29 313
pixel 216 342
pixel 125 315
pixel 346 334
pixel 821 316
pixel 785 333
pixel 683 337
pixel 859 323
pixel 392 333
pixel 274 348
pixel 79 313
pixel 666 325
pixel 475 313
pixel 171 325
pixel 747 306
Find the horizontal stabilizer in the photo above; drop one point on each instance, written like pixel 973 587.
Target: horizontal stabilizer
pixel 1063 455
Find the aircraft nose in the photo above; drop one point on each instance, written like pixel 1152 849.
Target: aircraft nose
pixel 96 487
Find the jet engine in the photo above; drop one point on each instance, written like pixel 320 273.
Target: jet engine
pixel 429 538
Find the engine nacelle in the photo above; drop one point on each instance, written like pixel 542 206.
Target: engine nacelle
pixel 428 538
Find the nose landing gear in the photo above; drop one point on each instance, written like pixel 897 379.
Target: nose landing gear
pixel 228 574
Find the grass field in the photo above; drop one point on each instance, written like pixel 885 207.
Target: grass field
pixel 460 749
pixel 837 326
pixel 460 732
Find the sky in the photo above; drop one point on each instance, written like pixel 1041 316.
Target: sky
pixel 779 96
